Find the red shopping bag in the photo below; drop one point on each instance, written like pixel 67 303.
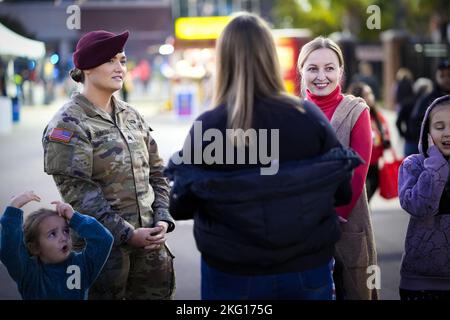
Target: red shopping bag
pixel 388 176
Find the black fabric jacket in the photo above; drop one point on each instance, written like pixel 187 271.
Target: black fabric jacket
pixel 248 223
pixel 245 223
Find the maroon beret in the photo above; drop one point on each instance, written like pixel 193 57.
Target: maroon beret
pixel 97 47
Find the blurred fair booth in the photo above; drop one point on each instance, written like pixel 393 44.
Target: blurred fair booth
pixel 289 43
pixel 193 61
pixel 14 48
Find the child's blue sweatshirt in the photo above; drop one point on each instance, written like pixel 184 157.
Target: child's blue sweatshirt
pixel 36 280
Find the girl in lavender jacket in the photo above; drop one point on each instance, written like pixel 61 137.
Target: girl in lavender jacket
pixel 424 190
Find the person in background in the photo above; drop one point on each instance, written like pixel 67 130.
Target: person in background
pixel 380 135
pixel 2 79
pixel 405 125
pixel 365 75
pixel 441 88
pixel 403 88
pixel 127 87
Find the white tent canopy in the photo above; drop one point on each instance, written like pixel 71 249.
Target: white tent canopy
pixel 15 45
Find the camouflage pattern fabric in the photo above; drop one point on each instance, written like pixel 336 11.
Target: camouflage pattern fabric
pixel 136 274
pixel 107 166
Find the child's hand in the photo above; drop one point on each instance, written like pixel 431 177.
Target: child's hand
pixel 430 141
pixel 63 209
pixel 22 199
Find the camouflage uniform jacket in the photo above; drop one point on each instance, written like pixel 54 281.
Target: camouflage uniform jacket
pixel 108 168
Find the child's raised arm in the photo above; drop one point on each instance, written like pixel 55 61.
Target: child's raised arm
pixel 22 199
pixel 98 244
pixel 13 252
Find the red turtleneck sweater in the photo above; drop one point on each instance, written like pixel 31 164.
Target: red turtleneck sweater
pixel 360 141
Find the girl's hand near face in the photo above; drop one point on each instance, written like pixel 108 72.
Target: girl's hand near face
pixel 430 141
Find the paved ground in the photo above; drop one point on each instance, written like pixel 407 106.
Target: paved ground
pixel 21 168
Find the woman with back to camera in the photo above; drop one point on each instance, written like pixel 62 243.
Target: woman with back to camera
pixel 321 67
pixel 265 230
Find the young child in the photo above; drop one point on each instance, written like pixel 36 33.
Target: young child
pixel 39 256
pixel 424 191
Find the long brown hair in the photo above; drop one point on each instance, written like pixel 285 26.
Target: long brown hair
pixel 247 67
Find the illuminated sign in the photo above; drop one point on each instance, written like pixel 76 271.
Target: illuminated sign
pixel 286 55
pixel 200 28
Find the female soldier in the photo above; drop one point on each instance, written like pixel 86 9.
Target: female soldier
pixel 105 163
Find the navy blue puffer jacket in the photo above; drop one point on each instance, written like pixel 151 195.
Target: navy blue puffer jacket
pixel 248 223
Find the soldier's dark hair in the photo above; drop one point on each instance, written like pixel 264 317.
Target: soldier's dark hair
pixel 77 75
pixel 31 227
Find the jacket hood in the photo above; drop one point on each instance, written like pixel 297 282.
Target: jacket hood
pixel 425 128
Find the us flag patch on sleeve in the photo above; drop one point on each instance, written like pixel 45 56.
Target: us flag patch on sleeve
pixel 62 135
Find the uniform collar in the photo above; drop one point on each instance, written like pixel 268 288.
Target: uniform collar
pixel 119 105
pixel 92 111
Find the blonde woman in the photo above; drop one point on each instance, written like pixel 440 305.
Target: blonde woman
pixel 265 230
pixel 321 67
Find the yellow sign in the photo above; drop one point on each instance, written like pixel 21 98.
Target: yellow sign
pixel 200 28
pixel 286 57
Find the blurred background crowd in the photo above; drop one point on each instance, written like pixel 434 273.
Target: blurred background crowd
pixel 399 48
pixel 171 47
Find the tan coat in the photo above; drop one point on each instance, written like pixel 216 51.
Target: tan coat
pixel 355 251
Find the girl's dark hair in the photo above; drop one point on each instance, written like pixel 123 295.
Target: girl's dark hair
pixel 77 75
pixel 356 89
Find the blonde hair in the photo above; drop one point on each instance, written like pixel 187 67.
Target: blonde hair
pixel 403 73
pixel 247 67
pixel 31 227
pixel 319 43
